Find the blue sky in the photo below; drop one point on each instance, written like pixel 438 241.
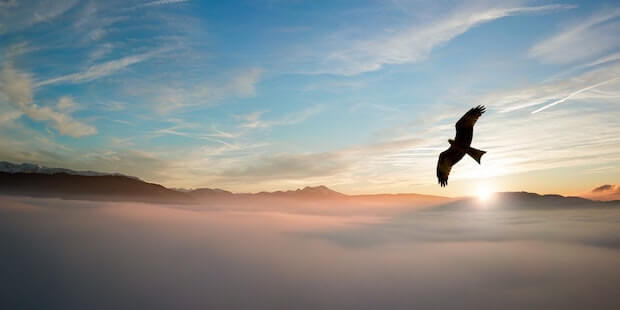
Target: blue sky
pixel 357 95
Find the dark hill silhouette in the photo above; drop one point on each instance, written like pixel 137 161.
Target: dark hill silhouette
pixel 308 192
pixel 97 187
pixel 525 201
pixel 39 181
pixel 208 193
pixel 34 168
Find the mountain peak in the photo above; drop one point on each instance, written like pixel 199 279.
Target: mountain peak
pixel 321 190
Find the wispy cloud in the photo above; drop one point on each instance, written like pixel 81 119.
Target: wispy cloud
pixel 160 2
pixel 181 130
pixel 607 60
pixel 603 60
pixel 599 33
pixel 99 70
pixel 248 123
pixel 223 134
pixel 289 166
pixel 17 15
pixel 551 93
pixel 415 43
pixel 254 120
pixel 13 51
pixel 100 51
pixel 95 20
pixel 573 94
pixel 241 85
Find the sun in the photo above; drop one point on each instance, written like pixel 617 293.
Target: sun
pixel 485 193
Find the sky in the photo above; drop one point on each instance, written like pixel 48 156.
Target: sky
pixel 360 96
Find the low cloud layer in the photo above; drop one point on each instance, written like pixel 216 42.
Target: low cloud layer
pixel 68 254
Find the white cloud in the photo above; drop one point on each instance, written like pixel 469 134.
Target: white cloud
pixel 15 50
pixel 241 85
pixel 99 70
pixel 96 20
pixel 114 105
pixel 66 104
pixel 16 90
pixel 154 4
pixel 580 87
pixel 603 60
pixel 591 37
pixel 161 2
pixel 415 43
pixel 248 122
pixel 607 60
pixel 573 94
pixel 100 51
pixel 288 166
pixel 244 84
pixel 253 120
pixel 17 15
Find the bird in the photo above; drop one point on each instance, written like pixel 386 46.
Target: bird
pixel 460 145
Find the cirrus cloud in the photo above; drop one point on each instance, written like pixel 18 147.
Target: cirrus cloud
pixel 415 43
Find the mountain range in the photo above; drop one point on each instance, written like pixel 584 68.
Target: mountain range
pixel 526 201
pixel 37 181
pixel 34 168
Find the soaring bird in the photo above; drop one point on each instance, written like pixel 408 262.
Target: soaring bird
pixel 460 145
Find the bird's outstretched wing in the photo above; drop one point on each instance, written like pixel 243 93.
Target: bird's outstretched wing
pixel 469 119
pixel 465 125
pixel 446 160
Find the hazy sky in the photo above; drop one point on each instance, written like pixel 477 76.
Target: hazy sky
pixel 357 95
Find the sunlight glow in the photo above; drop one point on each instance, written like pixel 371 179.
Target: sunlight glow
pixel 485 192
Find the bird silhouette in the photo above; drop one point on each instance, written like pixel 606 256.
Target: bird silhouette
pixel 460 145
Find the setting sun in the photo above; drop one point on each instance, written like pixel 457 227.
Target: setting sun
pixel 484 193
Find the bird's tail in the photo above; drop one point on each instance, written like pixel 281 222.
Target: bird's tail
pixel 475 153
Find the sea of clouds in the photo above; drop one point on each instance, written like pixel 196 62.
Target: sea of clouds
pixel 59 254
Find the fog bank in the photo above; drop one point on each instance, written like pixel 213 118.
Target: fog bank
pixel 60 254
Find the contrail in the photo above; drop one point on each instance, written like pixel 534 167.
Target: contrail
pixel 573 94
